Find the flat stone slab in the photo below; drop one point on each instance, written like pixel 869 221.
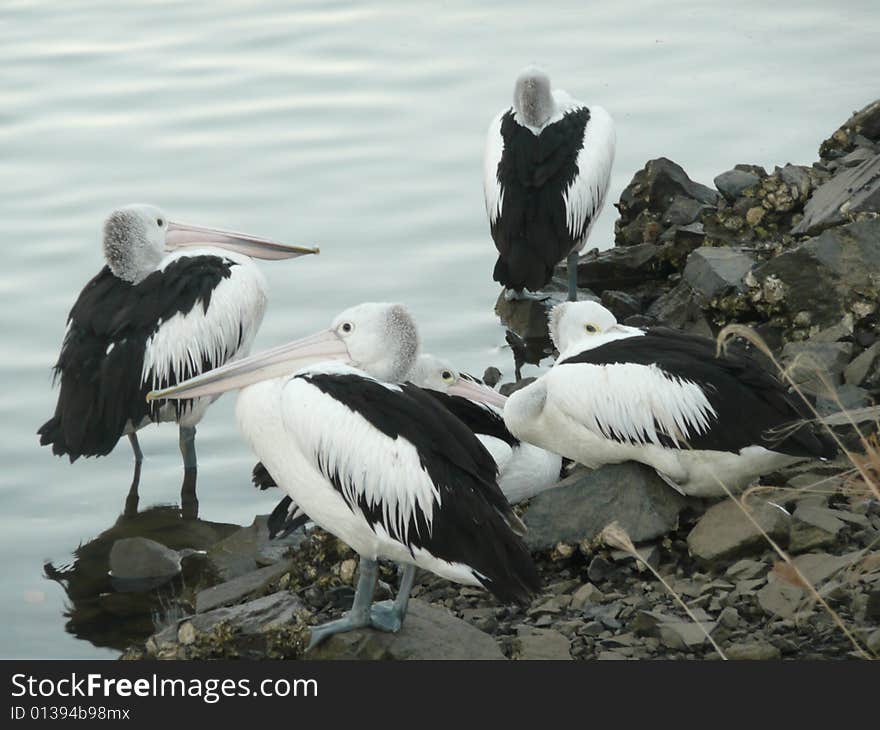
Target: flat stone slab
pixel 713 271
pixel 543 645
pixel 585 502
pixel 725 533
pixel 233 591
pixel 427 633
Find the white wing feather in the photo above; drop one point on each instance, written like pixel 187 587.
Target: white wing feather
pixel 629 402
pixel 492 156
pixel 386 472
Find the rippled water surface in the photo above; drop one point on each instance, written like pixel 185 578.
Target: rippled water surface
pixel 355 126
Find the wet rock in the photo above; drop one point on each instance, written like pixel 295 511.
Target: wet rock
pixel 733 183
pixel 586 501
pixel 713 271
pixel 270 613
pixel 427 633
pixel 724 532
pixel 250 548
pixel 842 198
pixel 235 590
pixel 492 376
pixel 140 564
pixel 753 651
pixel 543 644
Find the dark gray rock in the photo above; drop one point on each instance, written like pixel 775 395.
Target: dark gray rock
pixel 542 644
pixel 683 211
pixel 861 127
pixel 621 304
pixel 250 548
pixel 140 557
pixel 238 588
pixel 846 398
pixel 427 633
pixel 656 186
pixel 840 264
pixel 724 532
pixel 862 365
pixel 733 183
pixel 492 376
pixel 624 267
pixel 682 309
pixel 808 361
pixel 275 611
pixel 586 501
pixel 847 194
pixel 714 271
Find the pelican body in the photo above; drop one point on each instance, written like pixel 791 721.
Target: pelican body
pixel 662 398
pixel 547 167
pixel 173 301
pixel 375 460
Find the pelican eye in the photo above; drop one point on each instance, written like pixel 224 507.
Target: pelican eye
pixel 347 327
pixel 591 329
pixel 446 375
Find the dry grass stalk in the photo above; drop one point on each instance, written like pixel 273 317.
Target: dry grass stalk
pixel 615 536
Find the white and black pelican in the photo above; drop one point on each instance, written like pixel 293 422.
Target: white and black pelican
pixel 662 398
pixel 547 167
pixel 374 460
pixel 524 470
pixel 173 301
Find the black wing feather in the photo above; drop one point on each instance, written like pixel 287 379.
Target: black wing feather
pixel 753 407
pixel 102 356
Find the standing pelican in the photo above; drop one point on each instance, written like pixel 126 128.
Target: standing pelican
pixel 375 461
pixel 547 167
pixel 662 398
pixel 524 470
pixel 150 319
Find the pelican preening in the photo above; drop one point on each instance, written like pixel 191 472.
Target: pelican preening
pixel 174 300
pixel 375 460
pixel 547 167
pixel 661 397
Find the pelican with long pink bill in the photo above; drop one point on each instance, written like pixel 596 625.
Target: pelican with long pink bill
pixel 174 300
pixel 376 460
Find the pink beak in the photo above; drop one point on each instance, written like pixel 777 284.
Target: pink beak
pixel 180 235
pixel 478 392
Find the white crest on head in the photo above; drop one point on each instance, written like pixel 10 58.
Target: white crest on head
pixel 533 97
pixel 134 241
pixel 382 339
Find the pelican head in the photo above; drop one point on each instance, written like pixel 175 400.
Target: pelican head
pixel 584 323
pixel 137 237
pixel 434 373
pixel 532 97
pixel 379 338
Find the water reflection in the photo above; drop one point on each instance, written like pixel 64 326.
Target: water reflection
pixel 111 609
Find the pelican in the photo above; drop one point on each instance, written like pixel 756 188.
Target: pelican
pixel 547 167
pixel 662 398
pixel 375 460
pixel 173 300
pixel 524 470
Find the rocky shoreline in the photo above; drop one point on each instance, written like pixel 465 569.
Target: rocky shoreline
pixel 793 253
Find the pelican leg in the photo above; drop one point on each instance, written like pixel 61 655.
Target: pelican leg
pixel 188 447
pixel 572 263
pixel 136 447
pixel 359 615
pixel 389 615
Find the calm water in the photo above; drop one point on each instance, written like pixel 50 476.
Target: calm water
pixel 355 126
